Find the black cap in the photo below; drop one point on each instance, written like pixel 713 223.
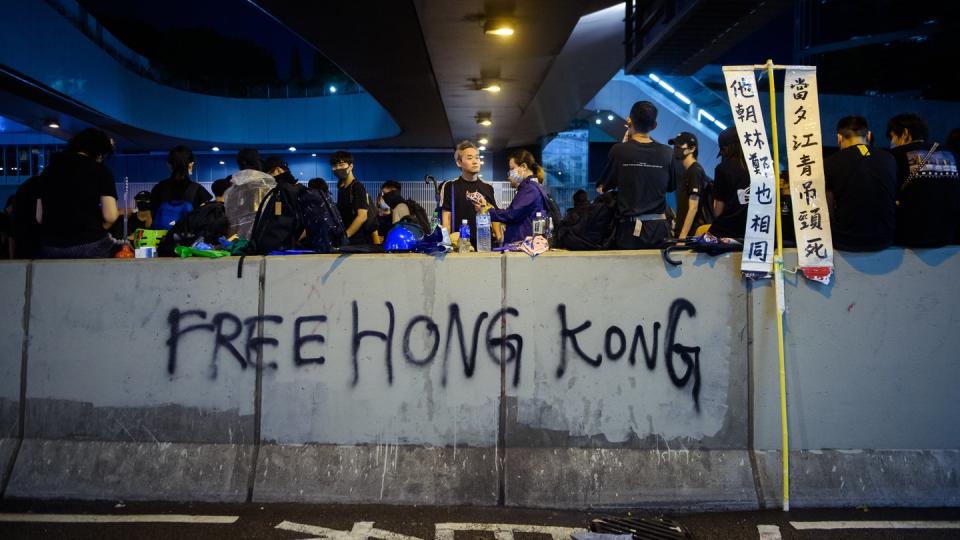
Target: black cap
pixel 142 196
pixel 684 137
pixel 727 137
pixel 274 162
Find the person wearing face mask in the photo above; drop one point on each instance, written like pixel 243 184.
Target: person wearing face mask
pixel 276 167
pixel 353 202
pixel 525 176
pixel 685 150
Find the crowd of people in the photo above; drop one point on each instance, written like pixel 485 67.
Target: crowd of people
pixel 908 195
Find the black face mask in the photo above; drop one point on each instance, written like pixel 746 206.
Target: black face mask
pixel 341 174
pixel 678 153
pixel 286 177
pixel 392 198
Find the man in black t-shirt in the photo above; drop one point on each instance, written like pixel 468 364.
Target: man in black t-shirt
pixel 928 185
pixel 861 186
pixel 642 172
pixel 686 150
pixel 353 202
pixel 731 185
pixel 454 204
pixel 78 200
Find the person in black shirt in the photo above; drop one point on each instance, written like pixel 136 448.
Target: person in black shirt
pixel 78 200
pixel 731 185
pixel 686 150
pixel 861 188
pixel 642 172
pixel 353 202
pixel 928 185
pixel 455 205
pixel 178 186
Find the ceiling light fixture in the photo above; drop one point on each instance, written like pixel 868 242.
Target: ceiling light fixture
pixel 215 148
pixel 493 88
pixel 333 89
pixel 484 118
pixel 482 148
pixel 498 26
pixel 610 117
pixel 483 140
pixel 223 163
pixel 53 124
pixel 292 149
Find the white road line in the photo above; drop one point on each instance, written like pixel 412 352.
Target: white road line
pixel 122 518
pixel 828 525
pixel 769 532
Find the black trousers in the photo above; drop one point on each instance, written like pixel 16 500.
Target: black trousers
pixel 653 235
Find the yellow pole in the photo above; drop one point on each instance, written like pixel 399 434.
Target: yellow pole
pixel 778 284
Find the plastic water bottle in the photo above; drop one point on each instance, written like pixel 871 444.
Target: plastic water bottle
pixel 464 243
pixel 549 232
pixel 538 224
pixel 483 233
pixel 434 222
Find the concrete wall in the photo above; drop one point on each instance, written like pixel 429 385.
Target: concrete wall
pixel 599 379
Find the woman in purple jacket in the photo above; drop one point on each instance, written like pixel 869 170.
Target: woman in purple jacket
pixel 525 175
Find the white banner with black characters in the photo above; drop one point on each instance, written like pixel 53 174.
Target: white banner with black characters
pixel 811 217
pixel 758 242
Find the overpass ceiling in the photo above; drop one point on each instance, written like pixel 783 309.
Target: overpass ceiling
pixel 461 53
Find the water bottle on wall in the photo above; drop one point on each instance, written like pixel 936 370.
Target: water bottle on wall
pixel 549 230
pixel 483 233
pixel 464 244
pixel 538 224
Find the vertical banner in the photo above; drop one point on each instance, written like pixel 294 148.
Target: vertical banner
pixel 758 242
pixel 811 218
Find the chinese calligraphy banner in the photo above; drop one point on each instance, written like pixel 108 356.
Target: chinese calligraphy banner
pixel 758 242
pixel 811 218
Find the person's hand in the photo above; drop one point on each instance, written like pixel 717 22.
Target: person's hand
pixel 600 189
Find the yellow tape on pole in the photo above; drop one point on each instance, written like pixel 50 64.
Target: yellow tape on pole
pixel 778 285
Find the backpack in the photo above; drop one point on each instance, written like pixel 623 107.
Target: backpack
pixel 325 230
pixel 371 224
pixel 592 227
pixel 169 212
pixel 209 221
pixel 279 221
pixel 553 212
pixel 418 215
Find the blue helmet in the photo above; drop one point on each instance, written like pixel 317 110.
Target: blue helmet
pixel 402 237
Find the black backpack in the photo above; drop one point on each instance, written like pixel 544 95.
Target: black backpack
pixel 705 207
pixel 279 222
pixel 418 215
pixel 553 212
pixel 209 221
pixel 325 230
pixel 591 227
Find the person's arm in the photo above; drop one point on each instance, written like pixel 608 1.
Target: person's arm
pixel 608 180
pixel 39 212
pixel 718 207
pixel 694 205
pixel 445 220
pixel 519 208
pixel 108 209
pixel 357 222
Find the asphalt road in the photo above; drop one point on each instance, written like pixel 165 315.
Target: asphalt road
pixel 403 522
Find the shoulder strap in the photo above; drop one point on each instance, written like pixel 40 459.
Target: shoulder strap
pixel 453 205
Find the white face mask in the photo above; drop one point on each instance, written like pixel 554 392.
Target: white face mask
pixel 515 175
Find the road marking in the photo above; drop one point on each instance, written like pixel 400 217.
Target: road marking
pixel 769 532
pixel 828 525
pixel 361 531
pixel 503 531
pixel 123 518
